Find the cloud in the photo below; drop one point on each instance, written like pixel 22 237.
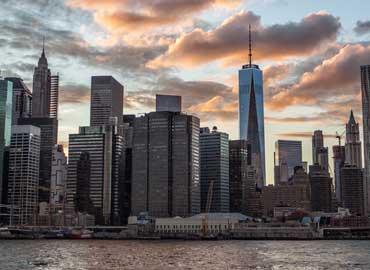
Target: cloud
pixel 362 27
pixel 229 40
pixel 135 15
pixel 337 76
pixel 73 93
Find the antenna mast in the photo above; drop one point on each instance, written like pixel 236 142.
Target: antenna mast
pixel 250 46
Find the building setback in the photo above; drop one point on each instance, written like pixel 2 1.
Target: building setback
pixel 24 174
pixel 106 100
pixel 6 100
pixel 365 91
pixel 105 148
pixel 352 189
pixel 321 184
pixel 214 171
pixel 165 165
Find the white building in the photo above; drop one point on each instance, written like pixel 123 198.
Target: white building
pixel 58 176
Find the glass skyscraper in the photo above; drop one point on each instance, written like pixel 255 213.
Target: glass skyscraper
pixel 251 116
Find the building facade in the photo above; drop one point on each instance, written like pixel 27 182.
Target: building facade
pixel 214 171
pixel 59 170
pixel 106 100
pixel 353 143
pixel 167 103
pixel 288 155
pixel 352 189
pixel 6 105
pixel 321 186
pixel 317 144
pixel 339 155
pixel 23 179
pixel 165 165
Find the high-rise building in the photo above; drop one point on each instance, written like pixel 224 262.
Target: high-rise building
pixel 44 91
pixel 165 165
pixel 6 101
pixel 288 155
pixel 23 179
pixel 49 138
pixel 106 100
pixel 317 144
pixel 353 143
pixel 352 189
pixel 22 100
pixel 321 186
pixel 323 158
pixel 167 103
pixel 339 159
pixel 251 114
pixel 240 184
pixel 82 198
pixel 365 90
pixel 58 177
pixel 105 149
pixel 214 171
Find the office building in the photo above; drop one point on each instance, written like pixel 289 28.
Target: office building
pixel 167 103
pixel 288 155
pixel 106 100
pixel 365 91
pixel 339 159
pixel 214 170
pixel 352 189
pixel 165 165
pixel 83 202
pixel 54 96
pixel 49 137
pixel 6 104
pixel 24 156
pixel 105 149
pixel 58 177
pixel 317 144
pixel 323 158
pixel 251 114
pixel 22 100
pixel 321 186
pixel 353 143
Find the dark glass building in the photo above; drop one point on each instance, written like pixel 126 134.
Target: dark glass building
pixel 83 201
pixel 167 103
pixel 321 186
pixel 352 189
pixel 165 165
pixel 214 171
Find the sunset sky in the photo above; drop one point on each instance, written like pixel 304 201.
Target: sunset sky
pixel 309 50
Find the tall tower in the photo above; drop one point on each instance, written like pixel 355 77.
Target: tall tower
pixel 251 113
pixel 365 90
pixel 353 143
pixel 317 143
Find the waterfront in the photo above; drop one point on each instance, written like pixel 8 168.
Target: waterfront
pixel 107 255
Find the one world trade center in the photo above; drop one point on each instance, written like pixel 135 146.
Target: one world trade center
pixel 251 114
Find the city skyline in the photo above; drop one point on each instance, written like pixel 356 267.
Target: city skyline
pixel 206 77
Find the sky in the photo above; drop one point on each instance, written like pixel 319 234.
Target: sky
pixel 310 52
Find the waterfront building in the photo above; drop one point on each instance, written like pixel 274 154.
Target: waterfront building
pixel 321 186
pixel 352 189
pixel 165 165
pixel 353 143
pixel 105 148
pixel 22 100
pixel 167 103
pixel 24 156
pixel 49 138
pixel 365 91
pixel 317 144
pixel 339 159
pixel 288 155
pixel 6 101
pixel 58 177
pixel 251 114
pixel 106 100
pixel 214 170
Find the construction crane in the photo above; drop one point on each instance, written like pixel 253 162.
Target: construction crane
pixel 339 137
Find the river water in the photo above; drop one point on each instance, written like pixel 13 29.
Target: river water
pixel 104 255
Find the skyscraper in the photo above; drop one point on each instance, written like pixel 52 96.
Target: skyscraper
pixel 54 96
pixel 165 165
pixel 365 91
pixel 167 103
pixel 24 174
pixel 106 100
pixel 6 100
pixel 317 144
pixel 22 100
pixel 214 171
pixel 82 198
pixel 288 155
pixel 339 159
pixel 105 149
pixel 251 113
pixel 353 143
pixel 58 177
pixel 321 184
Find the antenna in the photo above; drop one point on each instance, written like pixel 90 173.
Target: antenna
pixel 43 44
pixel 250 46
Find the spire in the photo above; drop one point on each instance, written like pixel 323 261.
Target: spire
pixel 250 46
pixel 43 60
pixel 352 118
pixel 43 47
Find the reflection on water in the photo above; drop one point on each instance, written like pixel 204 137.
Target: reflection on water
pixel 104 255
